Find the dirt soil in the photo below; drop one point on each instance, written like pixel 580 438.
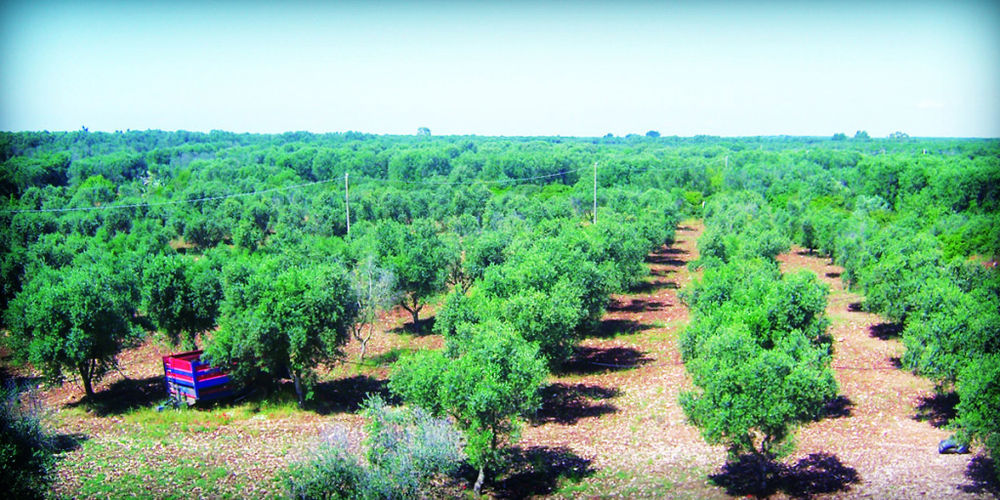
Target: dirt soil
pixel 610 416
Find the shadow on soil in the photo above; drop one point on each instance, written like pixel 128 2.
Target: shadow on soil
pixel 124 395
pixel 346 395
pixel 426 327
pixel 815 474
pixel 538 470
pixel 665 258
pixel 938 410
pixel 590 360
pixel 886 331
pixel 610 328
pixel 838 407
pixel 982 475
pixel 568 403
pixel 648 287
pixel 637 305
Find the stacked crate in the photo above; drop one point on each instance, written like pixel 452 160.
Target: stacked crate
pixel 190 380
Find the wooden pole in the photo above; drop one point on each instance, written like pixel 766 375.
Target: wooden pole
pixel 347 203
pixel 595 193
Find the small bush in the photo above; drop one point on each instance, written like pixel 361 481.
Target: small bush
pixel 26 450
pixel 332 473
pixel 405 449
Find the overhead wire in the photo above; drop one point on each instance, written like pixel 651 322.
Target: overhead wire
pixel 298 186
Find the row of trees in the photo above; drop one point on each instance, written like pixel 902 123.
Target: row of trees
pixel 947 309
pixel 756 348
pixel 107 236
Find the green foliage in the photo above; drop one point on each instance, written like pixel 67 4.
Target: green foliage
pixel 740 226
pixel 756 348
pixel 26 448
pixel 331 473
pixel 750 398
pixel 492 382
pixel 978 391
pixel 282 322
pixel 77 318
pixel 181 297
pixel 951 328
pixel 405 449
pixel 418 258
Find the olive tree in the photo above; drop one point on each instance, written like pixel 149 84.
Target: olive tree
pixel 77 318
pixel 280 323
pixel 491 383
pixel 374 291
pixel 181 297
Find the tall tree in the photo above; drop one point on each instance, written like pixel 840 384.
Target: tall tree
pixel 181 297
pixel 280 323
pixel 77 319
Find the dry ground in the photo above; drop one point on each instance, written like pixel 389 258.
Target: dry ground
pixel 610 419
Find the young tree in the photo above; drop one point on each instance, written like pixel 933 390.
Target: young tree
pixel 181 297
pixel 751 398
pixel 374 291
pixel 77 318
pixel 279 323
pixel 492 382
pixel 419 259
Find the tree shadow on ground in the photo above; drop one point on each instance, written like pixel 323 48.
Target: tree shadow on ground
pixel 64 443
pixel 590 360
pixel 649 287
pixel 815 474
pixel 838 407
pixel 666 259
pixel 124 396
pixel 637 305
pixel 345 395
pixel 568 403
pixel 426 327
pixel 662 272
pixel 610 328
pixel 538 470
pixel 982 473
pixel 938 409
pixel 856 307
pixel 886 331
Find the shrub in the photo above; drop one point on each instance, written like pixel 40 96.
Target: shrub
pixel 406 447
pixel 331 473
pixel 26 450
pixel 978 390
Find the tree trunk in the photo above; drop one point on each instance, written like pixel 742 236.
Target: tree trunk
pixel 415 312
pixel 298 387
pixel 86 375
pixel 479 480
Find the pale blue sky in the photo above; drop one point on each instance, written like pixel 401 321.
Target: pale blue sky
pixel 528 68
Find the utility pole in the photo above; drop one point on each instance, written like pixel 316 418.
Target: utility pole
pixel 595 193
pixel 347 203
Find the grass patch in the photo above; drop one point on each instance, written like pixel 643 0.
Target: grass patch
pixel 620 483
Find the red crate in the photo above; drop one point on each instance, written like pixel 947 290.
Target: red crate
pixel 188 378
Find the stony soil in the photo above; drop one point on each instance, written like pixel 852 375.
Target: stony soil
pixel 610 416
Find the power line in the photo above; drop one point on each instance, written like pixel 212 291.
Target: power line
pixel 301 186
